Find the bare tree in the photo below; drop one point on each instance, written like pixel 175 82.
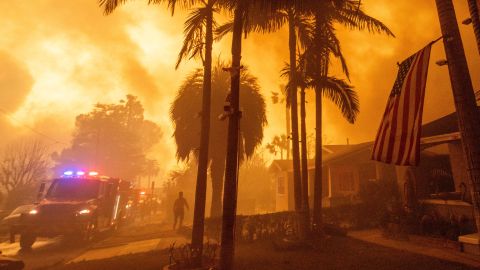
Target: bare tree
pixel 22 165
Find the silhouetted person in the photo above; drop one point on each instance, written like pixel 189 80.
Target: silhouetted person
pixel 178 210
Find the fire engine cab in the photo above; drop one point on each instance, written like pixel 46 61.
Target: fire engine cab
pixel 80 204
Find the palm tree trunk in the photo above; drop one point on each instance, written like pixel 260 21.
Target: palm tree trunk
pixel 201 187
pixel 303 134
pixel 227 245
pixel 464 99
pixel 474 15
pixel 297 184
pixel 289 129
pixel 217 170
pixel 321 71
pixel 317 192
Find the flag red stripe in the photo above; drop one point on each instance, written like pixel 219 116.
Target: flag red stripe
pixel 405 92
pixel 398 137
pixel 418 97
pixel 406 116
pixel 383 131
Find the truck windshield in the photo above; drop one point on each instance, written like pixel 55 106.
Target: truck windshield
pixel 73 189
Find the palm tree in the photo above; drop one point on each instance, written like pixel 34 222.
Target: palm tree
pixel 198 38
pixel 279 142
pixel 325 43
pixel 186 123
pixel 265 22
pixel 464 98
pixel 474 7
pixel 241 8
pixel 197 44
pixel 283 100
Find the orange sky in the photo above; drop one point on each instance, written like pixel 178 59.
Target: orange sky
pixel 58 58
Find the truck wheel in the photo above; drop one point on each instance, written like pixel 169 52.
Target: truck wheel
pixel 27 240
pixel 90 231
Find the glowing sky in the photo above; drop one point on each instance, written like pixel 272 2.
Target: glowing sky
pixel 58 58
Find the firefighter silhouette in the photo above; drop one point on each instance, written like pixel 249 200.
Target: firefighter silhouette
pixel 178 210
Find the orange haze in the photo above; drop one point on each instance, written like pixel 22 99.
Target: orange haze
pixel 58 58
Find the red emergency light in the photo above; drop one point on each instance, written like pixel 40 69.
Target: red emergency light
pixel 79 173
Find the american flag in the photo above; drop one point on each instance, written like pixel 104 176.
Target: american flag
pixel 398 138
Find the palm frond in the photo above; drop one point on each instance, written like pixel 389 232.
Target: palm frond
pixel 187 122
pixel 110 5
pixel 194 30
pixel 341 94
pixel 222 30
pixel 352 16
pixel 185 114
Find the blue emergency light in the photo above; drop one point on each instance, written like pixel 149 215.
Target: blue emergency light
pixel 79 173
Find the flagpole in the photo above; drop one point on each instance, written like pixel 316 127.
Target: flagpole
pixel 464 99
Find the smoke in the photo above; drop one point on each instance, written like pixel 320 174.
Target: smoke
pixel 65 56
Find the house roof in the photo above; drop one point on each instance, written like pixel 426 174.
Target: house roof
pixel 444 125
pixel 334 148
pixel 330 153
pixel 347 151
pixel 286 165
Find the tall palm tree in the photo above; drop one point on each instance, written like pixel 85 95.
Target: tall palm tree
pixel 464 99
pixel 197 44
pixel 350 14
pixel 186 123
pixel 264 22
pixel 240 9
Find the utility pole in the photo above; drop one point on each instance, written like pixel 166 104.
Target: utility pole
pixel 464 99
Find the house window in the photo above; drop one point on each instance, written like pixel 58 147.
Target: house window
pixel 281 185
pixel 367 171
pixel 347 182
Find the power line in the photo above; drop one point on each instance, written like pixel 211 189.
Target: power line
pixel 6 114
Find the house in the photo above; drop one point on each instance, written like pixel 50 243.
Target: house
pixel 344 168
pixel 345 171
pixel 282 173
pixel 440 182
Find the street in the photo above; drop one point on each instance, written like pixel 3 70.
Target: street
pixel 142 236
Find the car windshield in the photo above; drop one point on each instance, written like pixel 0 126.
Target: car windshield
pixel 73 189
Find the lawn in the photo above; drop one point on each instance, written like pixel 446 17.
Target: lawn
pixel 332 253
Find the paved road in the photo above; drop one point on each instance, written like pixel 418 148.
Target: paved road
pixel 136 238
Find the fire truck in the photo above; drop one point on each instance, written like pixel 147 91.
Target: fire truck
pixel 79 204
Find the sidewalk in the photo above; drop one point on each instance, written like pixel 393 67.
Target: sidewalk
pixel 416 246
pixel 129 248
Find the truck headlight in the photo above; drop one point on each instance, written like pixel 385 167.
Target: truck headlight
pixel 33 212
pixel 84 212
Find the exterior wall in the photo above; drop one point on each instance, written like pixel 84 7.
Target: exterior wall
pixel 291 194
pixel 346 178
pixel 459 168
pixel 416 175
pixel 282 188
